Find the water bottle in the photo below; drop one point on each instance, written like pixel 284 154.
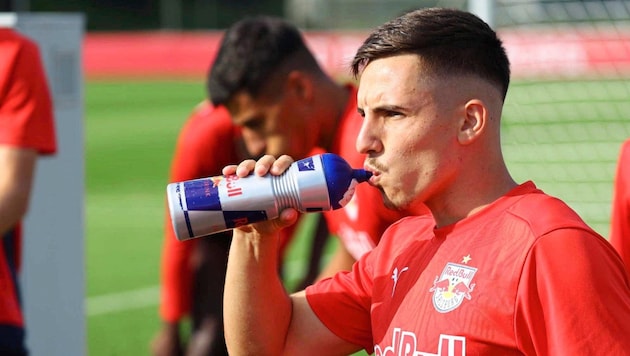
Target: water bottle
pixel 205 206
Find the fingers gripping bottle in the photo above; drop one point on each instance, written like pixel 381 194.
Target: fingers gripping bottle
pixel 205 206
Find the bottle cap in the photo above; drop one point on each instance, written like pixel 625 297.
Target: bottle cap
pixel 339 176
pixel 361 175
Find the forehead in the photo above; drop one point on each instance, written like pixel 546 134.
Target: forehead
pixel 244 107
pixel 392 79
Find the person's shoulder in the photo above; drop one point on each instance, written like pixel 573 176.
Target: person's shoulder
pixel 13 40
pixel 544 213
pixel 206 118
pixel 207 128
pixel 10 35
pixel 625 149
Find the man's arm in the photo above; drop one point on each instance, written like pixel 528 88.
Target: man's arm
pixel 260 317
pixel 16 180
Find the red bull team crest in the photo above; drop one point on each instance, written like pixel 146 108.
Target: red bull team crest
pixel 452 287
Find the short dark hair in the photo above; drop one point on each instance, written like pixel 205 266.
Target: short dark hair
pixel 251 50
pixel 449 41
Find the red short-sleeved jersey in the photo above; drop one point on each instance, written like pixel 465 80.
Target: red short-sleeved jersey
pixel 26 116
pixel 26 121
pixel 620 220
pixel 523 276
pixel 361 223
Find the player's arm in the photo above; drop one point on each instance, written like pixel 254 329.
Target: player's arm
pixel 260 317
pixel 26 130
pixel 16 178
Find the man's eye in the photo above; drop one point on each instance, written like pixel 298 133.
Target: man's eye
pixel 390 113
pixel 254 125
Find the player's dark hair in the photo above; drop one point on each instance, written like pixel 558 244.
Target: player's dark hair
pixel 251 51
pixel 449 41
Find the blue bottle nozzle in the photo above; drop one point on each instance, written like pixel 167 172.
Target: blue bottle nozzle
pixel 361 175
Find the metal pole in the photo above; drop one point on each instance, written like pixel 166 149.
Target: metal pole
pixel 484 9
pixel 170 14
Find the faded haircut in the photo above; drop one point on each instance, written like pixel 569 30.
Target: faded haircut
pixel 449 41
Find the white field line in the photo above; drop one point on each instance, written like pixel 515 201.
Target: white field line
pixel 148 296
pixel 123 301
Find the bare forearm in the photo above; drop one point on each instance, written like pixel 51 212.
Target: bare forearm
pixel 16 177
pixel 256 306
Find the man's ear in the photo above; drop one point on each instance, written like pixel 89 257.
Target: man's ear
pixel 473 122
pixel 301 85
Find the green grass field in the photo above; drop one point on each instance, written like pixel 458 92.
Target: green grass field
pixel 564 135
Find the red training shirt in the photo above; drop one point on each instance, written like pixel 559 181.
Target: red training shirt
pixel 524 276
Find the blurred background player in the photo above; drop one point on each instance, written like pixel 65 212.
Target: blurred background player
pixel 620 220
pixel 193 271
pixel 26 131
pixel 276 91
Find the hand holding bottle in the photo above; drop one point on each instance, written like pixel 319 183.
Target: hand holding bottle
pixel 265 165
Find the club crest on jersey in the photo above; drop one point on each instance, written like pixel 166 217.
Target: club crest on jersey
pixel 452 287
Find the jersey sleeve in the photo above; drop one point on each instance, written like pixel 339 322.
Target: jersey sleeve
pixel 26 110
pixel 578 313
pixel 620 219
pixel 348 294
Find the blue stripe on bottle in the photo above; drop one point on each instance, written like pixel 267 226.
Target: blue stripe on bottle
pixel 188 225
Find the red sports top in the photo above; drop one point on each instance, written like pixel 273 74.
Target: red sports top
pixel 361 223
pixel 524 276
pixel 26 121
pixel 620 220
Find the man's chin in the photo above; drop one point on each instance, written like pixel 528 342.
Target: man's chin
pixel 390 204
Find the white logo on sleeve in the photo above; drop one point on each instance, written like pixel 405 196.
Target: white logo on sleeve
pixel 395 276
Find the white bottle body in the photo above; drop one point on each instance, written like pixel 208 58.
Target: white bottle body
pixel 205 206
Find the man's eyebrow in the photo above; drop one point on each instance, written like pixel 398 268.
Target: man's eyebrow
pixel 384 108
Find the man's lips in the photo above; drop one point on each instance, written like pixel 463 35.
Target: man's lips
pixel 375 178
